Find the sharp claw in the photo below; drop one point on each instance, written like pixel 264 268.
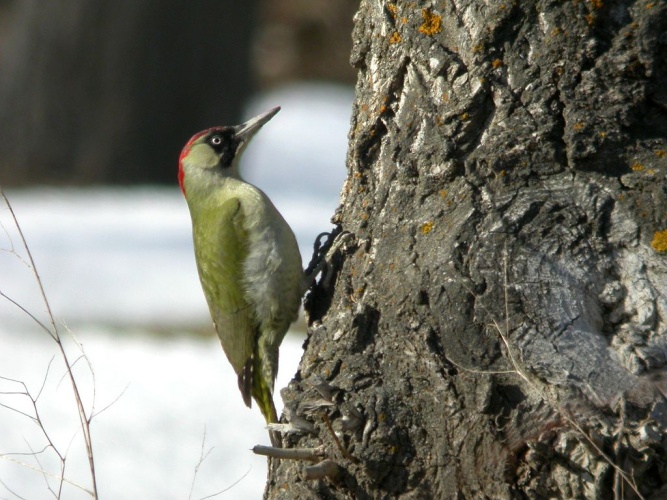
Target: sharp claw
pixel 320 250
pixel 317 250
pixel 323 252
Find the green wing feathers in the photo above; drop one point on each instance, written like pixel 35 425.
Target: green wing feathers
pixel 221 248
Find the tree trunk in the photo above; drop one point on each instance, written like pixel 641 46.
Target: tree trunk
pixel 498 327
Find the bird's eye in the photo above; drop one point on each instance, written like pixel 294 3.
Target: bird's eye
pixel 216 140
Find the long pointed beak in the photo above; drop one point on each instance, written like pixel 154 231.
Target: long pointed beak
pixel 247 130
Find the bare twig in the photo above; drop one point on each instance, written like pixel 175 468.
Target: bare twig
pixel 28 313
pixel 11 490
pixel 311 454
pixel 60 477
pixel 228 487
pixel 202 457
pixel 326 468
pixel 113 402
pixel 7 456
pixel 344 452
pixel 52 330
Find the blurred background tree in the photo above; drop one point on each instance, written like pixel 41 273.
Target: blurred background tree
pixel 108 92
pixel 304 40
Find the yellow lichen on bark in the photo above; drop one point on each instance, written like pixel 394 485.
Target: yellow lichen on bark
pixel 659 243
pixel 426 227
pixel 432 23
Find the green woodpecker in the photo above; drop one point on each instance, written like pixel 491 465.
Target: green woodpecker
pixel 247 257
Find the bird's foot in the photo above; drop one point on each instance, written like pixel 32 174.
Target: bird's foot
pixel 323 254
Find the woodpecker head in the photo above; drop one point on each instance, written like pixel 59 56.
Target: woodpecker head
pixel 216 151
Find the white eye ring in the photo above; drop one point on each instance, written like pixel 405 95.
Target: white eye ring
pixel 216 140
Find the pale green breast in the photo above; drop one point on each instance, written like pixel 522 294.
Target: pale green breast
pixel 250 268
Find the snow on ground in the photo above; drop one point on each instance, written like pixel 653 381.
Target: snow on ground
pixel 168 396
pixel 117 264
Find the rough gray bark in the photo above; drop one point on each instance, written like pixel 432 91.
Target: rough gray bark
pixel 498 329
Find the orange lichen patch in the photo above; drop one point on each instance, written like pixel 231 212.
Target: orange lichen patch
pixel 649 6
pixel 426 227
pixel 596 4
pixel 659 243
pixel 357 175
pixel 445 97
pixel 590 19
pixel 393 10
pixel 395 38
pixel 464 116
pixel 578 126
pixel 497 63
pixel 478 48
pixel 602 135
pixel 443 193
pixel 637 167
pixel 382 109
pixel 432 23
pixel 661 153
pixel 556 32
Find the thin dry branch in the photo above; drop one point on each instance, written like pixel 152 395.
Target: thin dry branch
pixel 227 488
pixel 8 457
pixel 202 456
pixel 53 331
